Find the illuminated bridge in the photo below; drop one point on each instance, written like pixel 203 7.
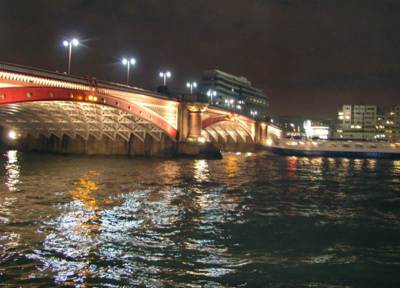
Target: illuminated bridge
pixel 52 111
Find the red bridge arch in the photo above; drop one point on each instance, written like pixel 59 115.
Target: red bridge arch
pixel 15 95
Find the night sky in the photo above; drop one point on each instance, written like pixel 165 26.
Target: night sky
pixel 309 56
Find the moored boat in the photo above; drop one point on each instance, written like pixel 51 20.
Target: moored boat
pixel 332 148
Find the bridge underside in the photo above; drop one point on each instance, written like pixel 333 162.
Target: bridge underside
pixel 80 127
pixel 229 136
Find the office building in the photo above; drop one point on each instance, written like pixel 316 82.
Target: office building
pixel 235 93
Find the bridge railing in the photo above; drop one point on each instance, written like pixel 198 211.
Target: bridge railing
pixel 89 81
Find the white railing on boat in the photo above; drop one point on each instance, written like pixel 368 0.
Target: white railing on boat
pixel 331 145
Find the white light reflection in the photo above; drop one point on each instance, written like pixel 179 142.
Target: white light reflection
pixel 201 172
pixel 12 170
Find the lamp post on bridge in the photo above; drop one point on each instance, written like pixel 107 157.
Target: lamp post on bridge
pixel 165 75
pixel 211 93
pixel 128 63
pixel 190 86
pixel 71 43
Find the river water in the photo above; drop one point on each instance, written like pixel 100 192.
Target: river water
pixel 249 220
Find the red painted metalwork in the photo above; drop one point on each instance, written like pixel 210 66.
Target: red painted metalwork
pixel 14 95
pixel 212 120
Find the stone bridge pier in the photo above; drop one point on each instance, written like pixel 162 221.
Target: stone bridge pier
pixel 203 129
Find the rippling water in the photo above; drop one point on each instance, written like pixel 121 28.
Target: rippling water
pixel 249 220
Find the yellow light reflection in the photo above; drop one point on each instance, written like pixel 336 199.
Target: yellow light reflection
pixel 87 223
pixel 371 164
pixel 396 166
pixel 358 164
pixel 331 162
pixel 316 161
pixel 231 165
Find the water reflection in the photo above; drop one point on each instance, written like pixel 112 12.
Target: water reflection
pixel 292 163
pixel 12 170
pixel 199 223
pixel 201 172
pixel 358 164
pixel 371 164
pixel 231 165
pixel 75 236
pixel 12 181
pixel 396 167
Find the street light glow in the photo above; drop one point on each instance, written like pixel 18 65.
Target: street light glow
pixel 191 85
pixel 12 135
pixel 165 75
pixel 69 44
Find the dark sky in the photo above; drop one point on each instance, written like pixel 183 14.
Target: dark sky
pixel 309 56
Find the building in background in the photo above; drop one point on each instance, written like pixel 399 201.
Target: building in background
pixel 357 122
pixel 316 129
pixel 235 93
pixel 368 122
pixel 388 124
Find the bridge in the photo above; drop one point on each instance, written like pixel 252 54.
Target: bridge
pixel 56 112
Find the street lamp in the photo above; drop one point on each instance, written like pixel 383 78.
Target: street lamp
pixel 191 85
pixel 74 42
pixel 211 93
pixel 128 64
pixel 165 75
pixel 253 113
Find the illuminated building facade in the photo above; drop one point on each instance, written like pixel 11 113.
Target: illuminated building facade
pixel 234 93
pixel 368 122
pixel 357 122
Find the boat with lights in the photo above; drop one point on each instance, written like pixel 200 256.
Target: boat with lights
pixel 334 148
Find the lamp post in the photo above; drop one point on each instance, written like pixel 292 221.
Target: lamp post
pixel 211 93
pixel 190 86
pixel 165 75
pixel 128 63
pixel 69 44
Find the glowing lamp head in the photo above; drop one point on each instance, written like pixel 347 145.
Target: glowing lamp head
pixel 75 42
pixel 12 135
pixel 65 43
pixel 124 61
pixel 168 74
pixel 194 84
pixel 132 61
pixel 161 74
pixel 188 85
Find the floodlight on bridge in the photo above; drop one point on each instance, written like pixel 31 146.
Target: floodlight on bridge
pixel 211 93
pixel 190 86
pixel 69 44
pixel 165 75
pixel 128 62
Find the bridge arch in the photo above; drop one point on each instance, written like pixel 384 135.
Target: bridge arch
pixel 227 126
pixel 141 115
